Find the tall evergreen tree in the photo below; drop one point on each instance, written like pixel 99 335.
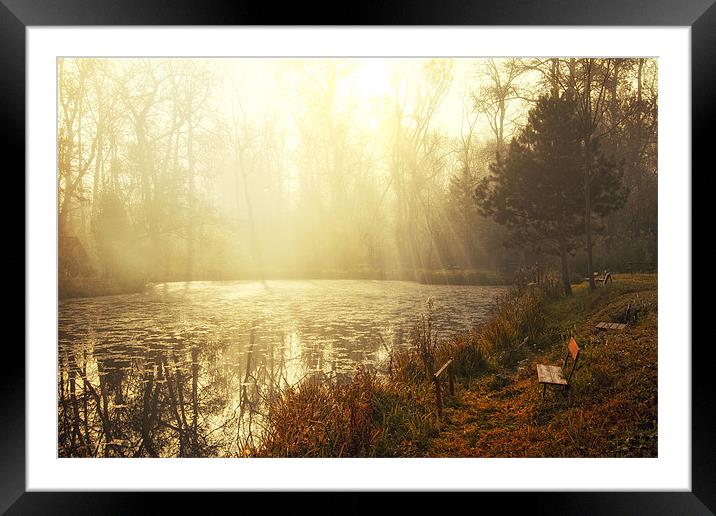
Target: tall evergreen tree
pixel 537 189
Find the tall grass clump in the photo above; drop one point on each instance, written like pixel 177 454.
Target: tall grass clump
pixel 425 341
pixel 469 357
pixel 417 363
pixel 317 418
pixel 518 316
pixel 405 417
pixel 366 417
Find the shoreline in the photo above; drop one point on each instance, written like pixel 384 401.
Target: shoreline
pixel 91 287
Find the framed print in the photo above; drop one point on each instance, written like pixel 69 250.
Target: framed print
pixel 354 258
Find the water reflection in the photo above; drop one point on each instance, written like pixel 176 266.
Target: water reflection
pixel 182 370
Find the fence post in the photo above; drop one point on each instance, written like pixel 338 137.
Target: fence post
pixel 451 381
pixel 438 397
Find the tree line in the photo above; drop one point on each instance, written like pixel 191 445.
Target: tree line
pixel 167 170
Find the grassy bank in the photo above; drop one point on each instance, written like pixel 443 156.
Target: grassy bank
pixel 498 409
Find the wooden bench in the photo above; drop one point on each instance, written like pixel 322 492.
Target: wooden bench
pixel 604 326
pixel 554 375
pixel 602 279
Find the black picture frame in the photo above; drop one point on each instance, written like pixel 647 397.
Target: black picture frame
pixel 17 15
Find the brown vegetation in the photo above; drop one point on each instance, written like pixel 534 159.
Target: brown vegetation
pixel 498 410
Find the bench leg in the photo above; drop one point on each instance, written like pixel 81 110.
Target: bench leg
pixel 544 390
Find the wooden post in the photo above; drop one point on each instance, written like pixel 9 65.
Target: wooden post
pixel 438 397
pixel 436 379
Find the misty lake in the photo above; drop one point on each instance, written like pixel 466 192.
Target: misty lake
pixel 184 355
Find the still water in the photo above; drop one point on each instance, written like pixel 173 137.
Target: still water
pixel 181 368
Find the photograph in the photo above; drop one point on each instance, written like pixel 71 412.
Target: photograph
pixel 404 257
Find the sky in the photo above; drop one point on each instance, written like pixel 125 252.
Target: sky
pixel 266 84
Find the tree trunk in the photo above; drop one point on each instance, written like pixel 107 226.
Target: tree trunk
pixel 614 116
pixel 588 172
pixel 554 79
pixel 147 195
pixel 191 229
pixel 564 259
pixel 588 212
pixel 99 162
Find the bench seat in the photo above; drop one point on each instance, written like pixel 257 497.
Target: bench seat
pixel 610 326
pixel 550 374
pixel 554 375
